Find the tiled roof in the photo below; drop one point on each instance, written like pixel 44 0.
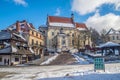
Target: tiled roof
pixel 81 25
pixel 60 19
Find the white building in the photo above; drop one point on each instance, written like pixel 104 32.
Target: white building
pixel 63 34
pixel 113 35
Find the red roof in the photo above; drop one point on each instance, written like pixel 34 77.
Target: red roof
pixel 80 25
pixel 60 19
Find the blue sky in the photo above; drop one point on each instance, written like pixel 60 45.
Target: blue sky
pixel 98 14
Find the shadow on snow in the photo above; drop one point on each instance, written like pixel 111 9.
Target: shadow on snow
pixel 87 77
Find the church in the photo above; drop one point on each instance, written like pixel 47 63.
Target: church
pixel 64 34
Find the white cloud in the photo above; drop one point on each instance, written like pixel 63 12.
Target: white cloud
pixel 87 6
pixel 57 12
pixel 118 7
pixel 104 22
pixel 21 2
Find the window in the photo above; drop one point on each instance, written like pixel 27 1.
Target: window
pixel 32 33
pixel 1 42
pixel 52 33
pixel 40 43
pixel 43 32
pixel 36 34
pixel 63 42
pixel 40 36
pixel 72 35
pixel 1 46
pixel 63 37
pixel 36 42
pixel 18 47
pixel 0 59
pixel 32 42
pixel 113 38
pixel 117 37
pixel 72 42
pixel 16 59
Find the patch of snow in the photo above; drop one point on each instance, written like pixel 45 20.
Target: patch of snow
pixel 31 50
pixel 80 60
pixel 49 60
pixel 14 49
pixel 62 24
pixel 6 44
pixel 19 35
pixel 12 27
pixel 81 29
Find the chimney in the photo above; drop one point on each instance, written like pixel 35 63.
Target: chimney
pixel 18 26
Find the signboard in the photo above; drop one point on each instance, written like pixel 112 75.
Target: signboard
pixel 99 64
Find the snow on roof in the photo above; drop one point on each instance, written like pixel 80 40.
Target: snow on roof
pixel 6 50
pixel 12 27
pixel 109 44
pixel 6 44
pixel 20 35
pixel 31 50
pixel 61 24
pixel 14 49
pixel 4 35
pixel 113 31
pixel 81 29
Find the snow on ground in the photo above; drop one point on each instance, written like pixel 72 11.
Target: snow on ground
pixel 88 59
pixel 63 72
pixel 68 72
pixel 80 60
pixel 49 60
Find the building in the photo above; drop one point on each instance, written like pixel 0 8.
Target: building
pixel 34 38
pixel 14 49
pixel 113 35
pixel 63 34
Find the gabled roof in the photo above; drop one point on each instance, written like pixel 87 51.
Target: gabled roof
pixel 5 35
pixel 112 31
pixel 24 26
pixel 60 19
pixel 81 26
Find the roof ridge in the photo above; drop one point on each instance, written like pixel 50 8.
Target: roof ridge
pixel 60 17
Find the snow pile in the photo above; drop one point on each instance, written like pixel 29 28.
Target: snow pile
pixel 80 60
pixel 49 60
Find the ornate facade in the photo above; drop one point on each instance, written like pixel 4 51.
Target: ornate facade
pixel 63 34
